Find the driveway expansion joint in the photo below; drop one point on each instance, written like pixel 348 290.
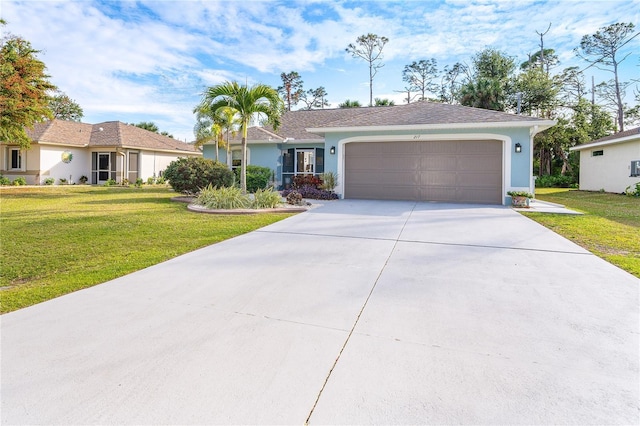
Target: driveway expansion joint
pixel 364 305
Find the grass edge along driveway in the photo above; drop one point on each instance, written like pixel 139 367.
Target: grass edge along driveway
pixel 609 228
pixel 59 239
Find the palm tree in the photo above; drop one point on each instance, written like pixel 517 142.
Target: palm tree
pixel 349 104
pixel 230 122
pixel 248 102
pixel 207 128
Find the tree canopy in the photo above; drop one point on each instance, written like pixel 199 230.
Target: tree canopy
pixel 65 108
pixel 601 50
pixel 369 47
pixel 421 76
pixel 291 89
pixel 258 101
pixel 24 87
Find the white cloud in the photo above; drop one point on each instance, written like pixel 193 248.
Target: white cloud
pixel 153 58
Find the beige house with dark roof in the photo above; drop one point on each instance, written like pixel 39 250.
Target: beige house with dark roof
pixel 611 163
pixel 109 150
pixel 419 151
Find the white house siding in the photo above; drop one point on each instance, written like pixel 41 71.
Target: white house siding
pixel 610 171
pixel 30 164
pixel 153 163
pixel 52 166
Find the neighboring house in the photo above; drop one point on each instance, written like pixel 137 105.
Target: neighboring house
pixel 418 151
pixel 109 150
pixel 611 163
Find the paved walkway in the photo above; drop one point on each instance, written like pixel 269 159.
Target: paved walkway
pixel 353 312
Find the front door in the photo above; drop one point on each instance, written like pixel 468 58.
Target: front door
pixel 305 162
pixel 104 167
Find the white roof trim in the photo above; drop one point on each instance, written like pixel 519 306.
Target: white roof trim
pixel 604 143
pixel 540 124
pixel 273 141
pixel 75 145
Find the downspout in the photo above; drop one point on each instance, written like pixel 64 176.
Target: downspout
pixel 532 184
pixel 124 165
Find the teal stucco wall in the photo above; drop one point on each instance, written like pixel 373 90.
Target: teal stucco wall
pixel 517 166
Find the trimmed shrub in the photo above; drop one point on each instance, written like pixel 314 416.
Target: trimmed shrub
pixel 62 181
pixel 83 179
pixel 49 181
pixel 4 181
pixel 257 177
pixel 19 181
pixel 190 175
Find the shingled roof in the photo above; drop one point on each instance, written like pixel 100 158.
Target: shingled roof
pixel 620 137
pixel 310 125
pixel 106 134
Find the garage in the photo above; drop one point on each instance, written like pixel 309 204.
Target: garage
pixel 458 171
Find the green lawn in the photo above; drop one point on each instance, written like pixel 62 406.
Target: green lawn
pixel 55 240
pixel 610 227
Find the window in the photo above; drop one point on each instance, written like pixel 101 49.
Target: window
pixel 236 159
pixel 597 153
pixel 103 167
pixel 15 159
pixel 133 167
pixel 635 168
pixel 301 161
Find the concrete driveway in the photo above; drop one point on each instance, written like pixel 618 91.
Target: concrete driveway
pixel 355 312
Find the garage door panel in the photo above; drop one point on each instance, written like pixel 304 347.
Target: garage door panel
pixel 409 148
pixel 437 147
pixel 479 180
pixel 366 163
pixel 392 192
pixel 400 162
pixel 438 162
pixel 438 178
pixel 446 171
pixel 478 163
pixel 475 195
pixel 435 193
pixel 483 147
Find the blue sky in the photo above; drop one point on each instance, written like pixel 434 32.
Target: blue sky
pixel 150 60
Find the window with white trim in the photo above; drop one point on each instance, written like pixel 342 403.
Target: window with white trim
pixel 15 159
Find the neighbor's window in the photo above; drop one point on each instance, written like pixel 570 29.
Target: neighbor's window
pixel 15 159
pixel 236 158
pixel 597 153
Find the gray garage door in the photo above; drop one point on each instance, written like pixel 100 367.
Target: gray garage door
pixel 447 171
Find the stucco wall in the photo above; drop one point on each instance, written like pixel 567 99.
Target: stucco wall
pixel 51 163
pixel 30 164
pixel 152 163
pixel 610 171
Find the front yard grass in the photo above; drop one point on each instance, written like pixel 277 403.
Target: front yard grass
pixel 610 227
pixel 56 240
